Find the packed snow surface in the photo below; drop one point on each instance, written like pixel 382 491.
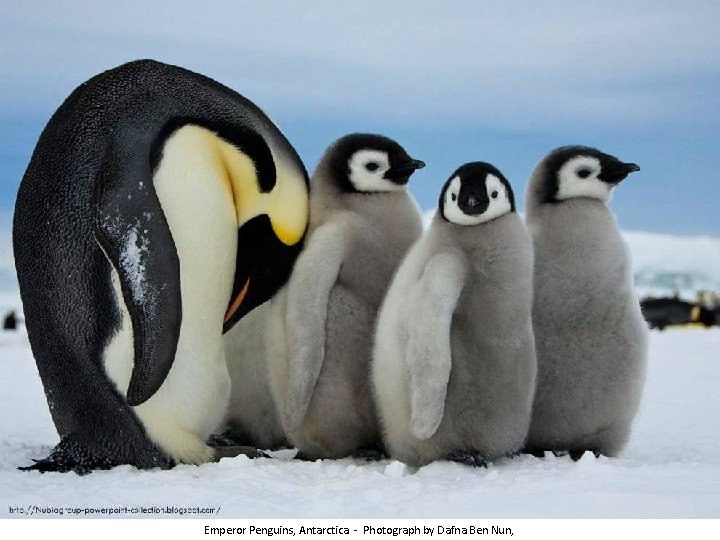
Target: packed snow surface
pixel 671 467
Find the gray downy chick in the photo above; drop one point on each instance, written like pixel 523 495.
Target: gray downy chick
pixel 454 360
pixel 363 220
pixel 591 338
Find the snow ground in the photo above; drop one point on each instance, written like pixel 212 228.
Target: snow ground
pixel 671 467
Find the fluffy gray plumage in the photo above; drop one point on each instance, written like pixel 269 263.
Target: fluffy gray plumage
pixel 590 335
pixel 454 360
pixel 356 239
pixel 252 418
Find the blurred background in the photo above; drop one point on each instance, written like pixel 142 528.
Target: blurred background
pixel 453 82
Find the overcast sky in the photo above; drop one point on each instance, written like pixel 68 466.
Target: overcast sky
pixel 451 81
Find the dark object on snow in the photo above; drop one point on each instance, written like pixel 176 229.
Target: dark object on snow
pixel 663 312
pixel 10 322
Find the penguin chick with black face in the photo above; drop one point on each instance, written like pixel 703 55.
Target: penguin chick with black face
pixel 454 359
pixel 362 222
pixel 590 335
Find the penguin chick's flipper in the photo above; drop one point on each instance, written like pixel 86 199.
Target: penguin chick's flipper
pixel 467 457
pixel 134 234
pixel 313 277
pixel 430 306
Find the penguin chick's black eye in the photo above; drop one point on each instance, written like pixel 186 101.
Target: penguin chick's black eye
pixel 583 172
pixel 372 166
pixel 453 197
pixel 494 194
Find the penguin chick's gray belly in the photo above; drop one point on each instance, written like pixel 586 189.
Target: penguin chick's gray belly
pixel 590 335
pixel 491 385
pixel 489 392
pixel 488 406
pixel 589 389
pixel 341 418
pixel 491 367
pixel 252 418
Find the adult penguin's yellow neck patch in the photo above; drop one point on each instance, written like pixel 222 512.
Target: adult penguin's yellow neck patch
pixel 254 199
pixel 286 204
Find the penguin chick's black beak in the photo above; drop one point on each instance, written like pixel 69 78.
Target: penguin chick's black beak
pixel 417 164
pixel 617 172
pixel 473 204
pixel 408 167
pixel 400 174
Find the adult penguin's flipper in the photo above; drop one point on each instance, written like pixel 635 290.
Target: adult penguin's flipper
pixel 135 236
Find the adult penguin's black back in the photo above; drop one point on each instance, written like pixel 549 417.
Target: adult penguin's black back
pixel 158 208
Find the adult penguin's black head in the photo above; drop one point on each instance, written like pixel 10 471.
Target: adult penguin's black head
pixel 476 193
pixel 570 172
pixel 366 163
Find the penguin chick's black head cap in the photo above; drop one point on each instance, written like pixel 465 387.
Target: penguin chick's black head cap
pixel 473 197
pixel 401 165
pixel 613 171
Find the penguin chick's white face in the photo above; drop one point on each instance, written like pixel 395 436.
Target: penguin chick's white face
pixel 476 193
pixel 366 163
pixel 578 177
pixel 366 171
pixel 579 171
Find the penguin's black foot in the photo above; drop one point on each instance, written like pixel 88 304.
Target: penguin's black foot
pixel 467 457
pixel 230 451
pixel 53 464
pixel 302 456
pixel 223 439
pixel 597 453
pixel 369 454
pixel 575 455
pixel 73 455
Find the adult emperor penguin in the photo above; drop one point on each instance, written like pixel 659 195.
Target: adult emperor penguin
pixel 590 335
pixel 362 221
pixel 159 207
pixel 454 359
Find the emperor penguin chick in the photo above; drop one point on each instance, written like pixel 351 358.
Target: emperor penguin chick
pixel 591 338
pixel 252 418
pixel 363 220
pixel 454 359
